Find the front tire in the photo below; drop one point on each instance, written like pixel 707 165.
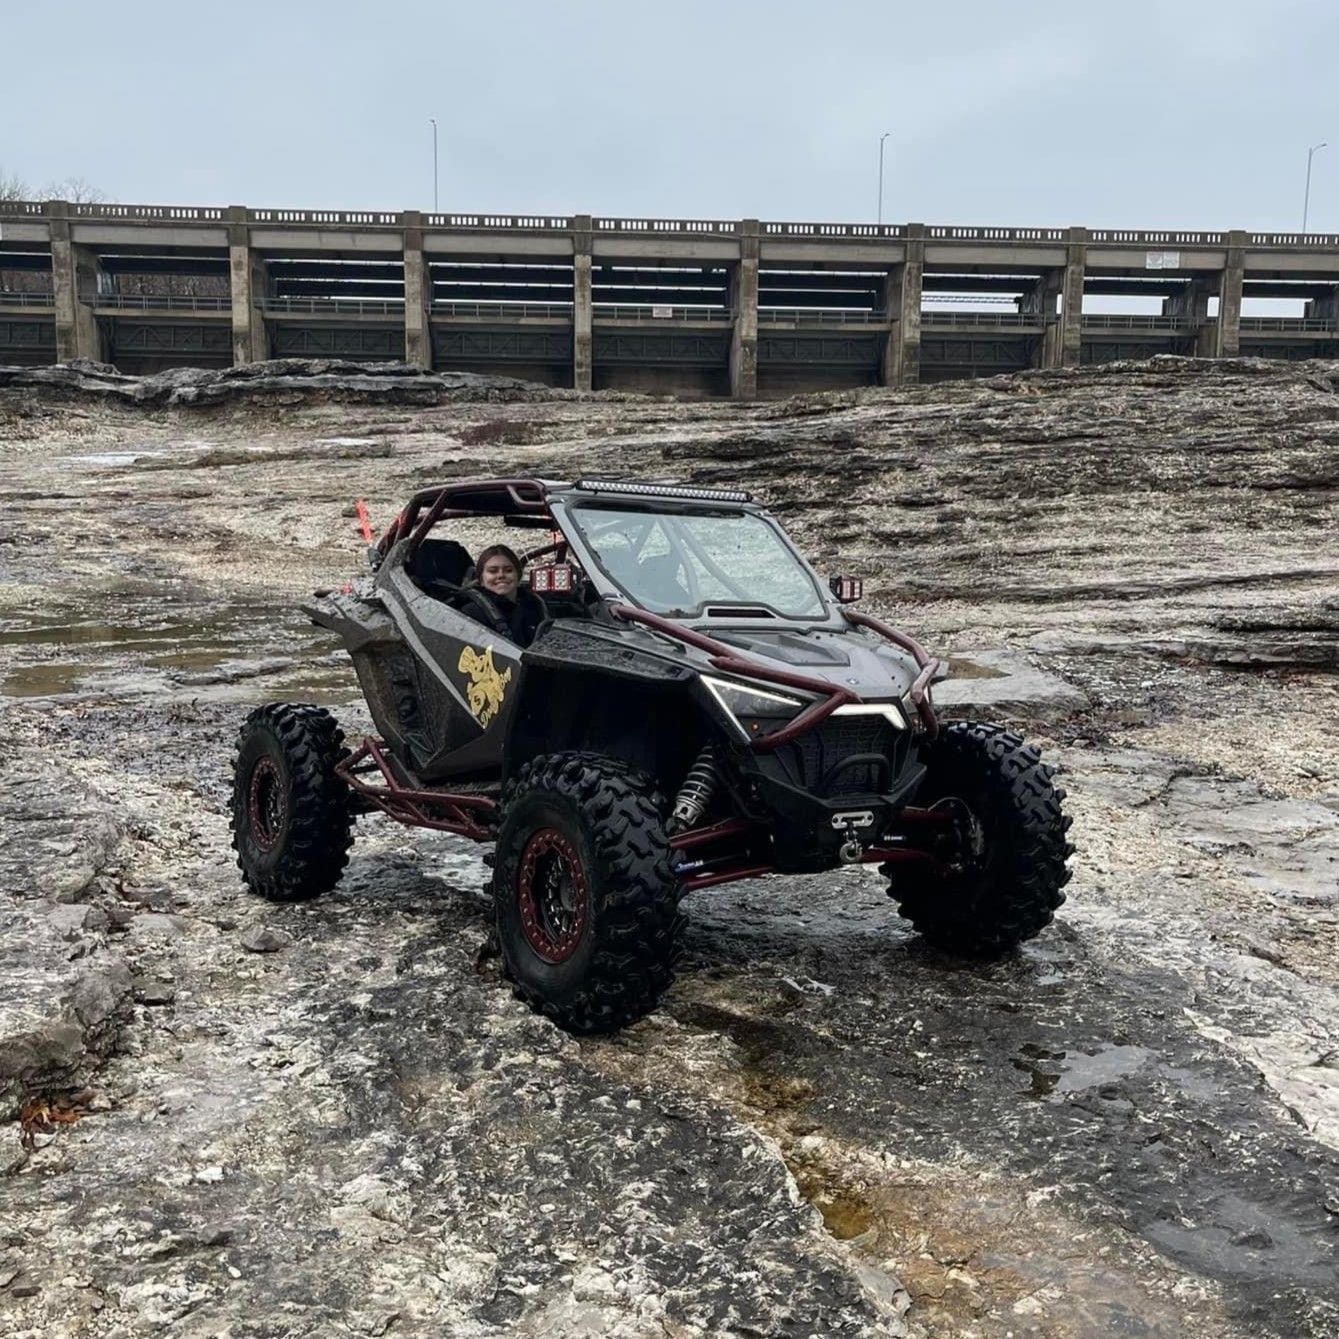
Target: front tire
pixel 586 899
pixel 291 821
pixel 1002 860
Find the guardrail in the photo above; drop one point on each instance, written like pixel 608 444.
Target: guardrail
pixel 329 218
pixel 502 311
pixel 149 213
pixel 1124 321
pixel 1318 325
pixel 1002 320
pixel 864 230
pixel 804 316
pixel 1132 237
pixel 27 299
pixel 642 314
pixel 156 302
pixel 486 222
pixel 340 306
pixel 948 233
pixel 493 222
pixel 659 226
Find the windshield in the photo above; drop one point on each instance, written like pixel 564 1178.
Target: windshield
pixel 677 562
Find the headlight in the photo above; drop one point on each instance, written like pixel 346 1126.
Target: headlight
pixel 749 708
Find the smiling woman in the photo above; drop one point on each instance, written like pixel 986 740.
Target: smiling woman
pixel 502 602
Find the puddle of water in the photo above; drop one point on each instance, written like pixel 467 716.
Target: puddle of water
pixel 1082 1072
pixel 203 657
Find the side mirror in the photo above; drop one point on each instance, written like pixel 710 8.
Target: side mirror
pixel 552 579
pixel 847 589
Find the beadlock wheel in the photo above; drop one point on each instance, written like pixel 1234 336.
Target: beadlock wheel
pixel 266 807
pixel 552 895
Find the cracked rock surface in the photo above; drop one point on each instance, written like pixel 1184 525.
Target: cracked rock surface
pixel 333 1118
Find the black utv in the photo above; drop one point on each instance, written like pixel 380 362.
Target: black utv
pixel 697 706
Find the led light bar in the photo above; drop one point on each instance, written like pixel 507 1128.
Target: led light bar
pixel 664 490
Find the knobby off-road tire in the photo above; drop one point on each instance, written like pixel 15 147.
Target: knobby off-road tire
pixel 1006 861
pixel 585 894
pixel 291 819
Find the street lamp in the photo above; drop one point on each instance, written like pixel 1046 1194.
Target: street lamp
pixel 882 137
pixel 1306 201
pixel 433 119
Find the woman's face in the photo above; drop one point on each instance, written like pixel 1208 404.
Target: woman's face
pixel 500 576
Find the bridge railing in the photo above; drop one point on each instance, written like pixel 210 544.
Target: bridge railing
pixel 504 311
pixel 1003 320
pixel 869 230
pixel 1135 237
pixel 340 306
pixel 806 316
pixel 157 302
pixel 1129 321
pixel 8 299
pixel 492 222
pixel 643 314
pixel 699 227
pixel 1317 325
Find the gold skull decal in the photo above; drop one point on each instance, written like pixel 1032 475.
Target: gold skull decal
pixel 487 686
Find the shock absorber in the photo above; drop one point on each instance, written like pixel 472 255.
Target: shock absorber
pixel 696 792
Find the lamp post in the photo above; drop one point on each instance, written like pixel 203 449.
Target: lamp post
pixel 1306 200
pixel 433 119
pixel 882 137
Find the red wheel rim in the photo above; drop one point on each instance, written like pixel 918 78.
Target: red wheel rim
pixel 551 895
pixel 265 804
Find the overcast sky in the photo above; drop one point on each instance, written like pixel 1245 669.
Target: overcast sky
pixel 1180 114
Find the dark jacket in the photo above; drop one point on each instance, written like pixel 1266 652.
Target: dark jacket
pixel 517 620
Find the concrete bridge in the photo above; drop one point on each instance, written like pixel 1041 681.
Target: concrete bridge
pixel 707 307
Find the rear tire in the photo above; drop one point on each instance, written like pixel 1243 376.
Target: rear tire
pixel 292 825
pixel 1004 863
pixel 586 899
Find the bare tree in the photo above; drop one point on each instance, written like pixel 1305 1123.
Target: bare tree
pixel 76 190
pixel 12 187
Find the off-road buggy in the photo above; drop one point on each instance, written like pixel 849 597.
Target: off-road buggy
pixel 698 707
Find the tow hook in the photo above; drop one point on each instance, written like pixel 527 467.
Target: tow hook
pixel 851 850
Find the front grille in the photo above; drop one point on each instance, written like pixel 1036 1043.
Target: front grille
pixel 811 761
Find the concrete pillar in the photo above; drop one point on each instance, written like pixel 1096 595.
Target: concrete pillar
pixel 417 293
pixel 249 283
pixel 1191 305
pixel 1067 342
pixel 1227 341
pixel 902 351
pixel 583 305
pixel 1042 300
pixel 744 305
pixel 74 278
pixel 1325 307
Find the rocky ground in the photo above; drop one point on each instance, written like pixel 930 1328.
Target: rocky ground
pixel 248 1120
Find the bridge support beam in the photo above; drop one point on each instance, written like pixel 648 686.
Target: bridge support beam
pixel 249 282
pixel 1324 308
pixel 74 275
pixel 417 293
pixel 583 305
pixel 1227 342
pixel 744 305
pixel 901 364
pixel 1191 305
pixel 1069 332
